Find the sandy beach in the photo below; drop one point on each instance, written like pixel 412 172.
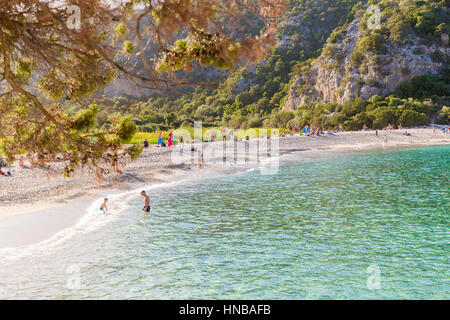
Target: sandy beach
pixel 33 190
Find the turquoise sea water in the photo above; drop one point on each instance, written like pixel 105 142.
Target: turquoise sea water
pixel 311 231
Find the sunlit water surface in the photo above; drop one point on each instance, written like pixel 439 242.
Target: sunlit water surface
pixel 310 231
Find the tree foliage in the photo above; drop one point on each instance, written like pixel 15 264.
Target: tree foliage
pixel 50 55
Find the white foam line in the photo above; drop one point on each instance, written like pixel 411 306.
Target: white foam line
pixel 91 221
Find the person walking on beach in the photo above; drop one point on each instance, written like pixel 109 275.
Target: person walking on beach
pixel 146 208
pixel 200 158
pixel 224 134
pixel 115 164
pixel 103 207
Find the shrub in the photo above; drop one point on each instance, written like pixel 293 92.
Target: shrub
pixel 437 57
pixel 373 43
pixel 237 121
pixel 410 118
pixel 445 115
pixel 254 122
pixel 424 86
pixel 356 58
pixel 328 51
pixel 383 117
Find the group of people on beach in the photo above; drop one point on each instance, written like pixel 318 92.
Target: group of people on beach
pixel 3 164
pixel 9 172
pixel 170 141
pixel 312 131
pixel 4 173
pixel 317 131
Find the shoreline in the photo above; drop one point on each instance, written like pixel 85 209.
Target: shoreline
pixel 25 197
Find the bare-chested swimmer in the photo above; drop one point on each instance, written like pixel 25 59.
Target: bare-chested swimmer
pixel 146 208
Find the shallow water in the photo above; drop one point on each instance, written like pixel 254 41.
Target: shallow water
pixel 320 228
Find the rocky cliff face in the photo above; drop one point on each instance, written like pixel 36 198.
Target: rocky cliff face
pixel 333 78
pixel 123 86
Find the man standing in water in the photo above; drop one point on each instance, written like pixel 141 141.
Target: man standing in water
pixel 146 208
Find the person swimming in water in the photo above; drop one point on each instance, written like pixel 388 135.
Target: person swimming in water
pixel 103 207
pixel 146 208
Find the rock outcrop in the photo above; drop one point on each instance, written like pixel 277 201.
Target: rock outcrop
pixel 332 78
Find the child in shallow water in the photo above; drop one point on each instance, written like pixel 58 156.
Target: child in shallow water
pixel 103 207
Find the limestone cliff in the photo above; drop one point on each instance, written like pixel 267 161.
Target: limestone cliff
pixel 334 77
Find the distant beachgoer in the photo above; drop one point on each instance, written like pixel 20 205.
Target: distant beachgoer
pixel 376 132
pixel 182 140
pixel 115 164
pixel 247 137
pixel 224 134
pixel 22 163
pixel 160 140
pixel 103 207
pixel 170 140
pixel 145 143
pixel 200 158
pixel 4 173
pixel 146 208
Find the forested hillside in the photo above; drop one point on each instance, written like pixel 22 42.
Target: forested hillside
pixel 392 75
pixel 406 57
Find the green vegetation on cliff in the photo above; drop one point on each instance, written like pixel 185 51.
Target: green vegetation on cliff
pixel 247 97
pixel 254 97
